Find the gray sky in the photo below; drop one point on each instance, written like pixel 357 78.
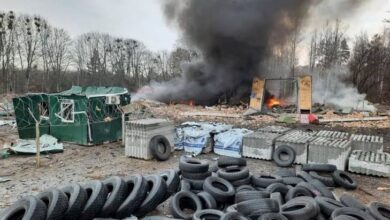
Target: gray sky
pixel 138 19
pixel 143 19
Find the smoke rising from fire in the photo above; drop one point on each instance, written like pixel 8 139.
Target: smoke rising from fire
pixel 233 38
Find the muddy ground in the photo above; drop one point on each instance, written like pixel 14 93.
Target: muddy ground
pixel 81 164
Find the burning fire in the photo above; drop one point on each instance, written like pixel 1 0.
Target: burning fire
pixel 271 102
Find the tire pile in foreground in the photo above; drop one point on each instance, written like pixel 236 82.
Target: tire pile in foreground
pixel 225 190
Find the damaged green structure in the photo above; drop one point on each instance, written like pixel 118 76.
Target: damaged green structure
pixel 82 115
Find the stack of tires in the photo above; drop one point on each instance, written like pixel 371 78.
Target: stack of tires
pixel 234 170
pixel 194 172
pixel 114 197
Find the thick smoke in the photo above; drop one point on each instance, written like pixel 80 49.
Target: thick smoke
pixel 331 90
pixel 233 38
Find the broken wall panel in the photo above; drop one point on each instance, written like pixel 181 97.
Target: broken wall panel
pixel 369 163
pixel 299 141
pixel 367 143
pixel 259 145
pixel 329 150
pixel 333 134
pixel 140 132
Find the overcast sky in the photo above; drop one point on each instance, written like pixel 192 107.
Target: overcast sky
pixel 143 19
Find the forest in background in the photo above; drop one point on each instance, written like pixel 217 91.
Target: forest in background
pixel 38 57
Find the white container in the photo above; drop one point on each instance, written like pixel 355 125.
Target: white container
pixel 140 132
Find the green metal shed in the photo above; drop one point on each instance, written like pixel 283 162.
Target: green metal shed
pixel 83 115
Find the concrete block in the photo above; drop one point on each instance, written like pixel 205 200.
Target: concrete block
pixel 299 141
pixel 330 151
pixel 259 145
pixel 367 143
pixel 274 129
pixel 370 163
pixel 333 134
pixel 140 132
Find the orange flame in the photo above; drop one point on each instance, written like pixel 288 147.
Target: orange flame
pixel 271 102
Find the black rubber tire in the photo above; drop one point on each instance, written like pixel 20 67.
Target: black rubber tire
pixel 297 192
pixel 117 191
pixel 27 208
pixel 292 181
pixel 208 214
pixel 56 202
pixel 160 148
pixel 208 201
pixel 157 190
pixel 350 201
pixel 77 197
pixel 97 194
pixel 353 212
pixel 273 216
pixel 172 180
pixel 299 209
pixel 259 206
pixel 185 200
pixel 380 211
pixel 277 196
pixel 195 184
pixel 285 173
pixel 137 190
pixel 322 188
pixel 245 188
pixel 233 216
pixel 265 180
pixel 233 174
pixel 284 149
pixel 250 195
pixel 213 167
pixel 224 161
pixel 193 165
pixel 305 176
pixel 310 187
pixel 326 180
pixel 342 178
pixel 319 167
pixel 196 176
pixel 328 205
pixel 185 185
pixel 345 217
pixel 277 187
pixel 242 182
pixel 231 208
pixel 219 188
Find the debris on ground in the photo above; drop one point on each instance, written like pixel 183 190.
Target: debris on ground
pixel 49 144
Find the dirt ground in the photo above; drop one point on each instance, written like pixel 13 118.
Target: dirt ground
pixel 81 164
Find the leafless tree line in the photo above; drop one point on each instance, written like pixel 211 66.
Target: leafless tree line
pixel 38 57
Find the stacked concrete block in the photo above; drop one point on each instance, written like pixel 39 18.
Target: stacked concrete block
pixel 333 134
pixel 140 132
pixel 299 141
pixel 259 145
pixel 274 129
pixel 367 143
pixel 330 151
pixel 370 163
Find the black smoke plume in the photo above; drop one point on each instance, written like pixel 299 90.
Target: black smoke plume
pixel 233 37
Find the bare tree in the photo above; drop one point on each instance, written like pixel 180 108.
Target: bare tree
pixel 7 48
